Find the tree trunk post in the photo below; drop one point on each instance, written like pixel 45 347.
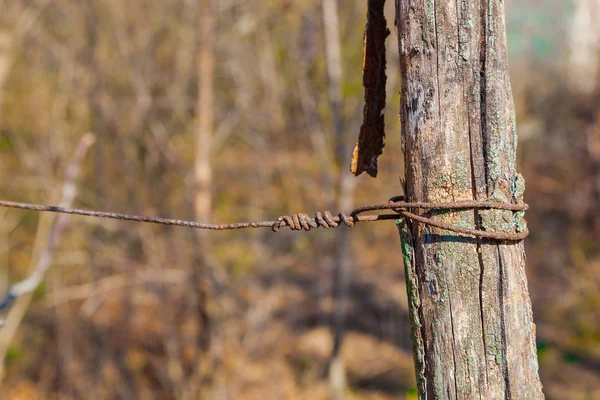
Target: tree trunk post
pixel 470 311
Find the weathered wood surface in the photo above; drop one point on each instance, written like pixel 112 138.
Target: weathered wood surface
pixel 471 311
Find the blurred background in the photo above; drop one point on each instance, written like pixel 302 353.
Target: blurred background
pixel 245 110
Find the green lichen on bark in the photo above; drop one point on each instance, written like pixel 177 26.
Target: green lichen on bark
pixel 517 190
pixel 412 291
pixel 505 220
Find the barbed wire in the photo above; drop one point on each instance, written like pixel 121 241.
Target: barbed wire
pixel 301 221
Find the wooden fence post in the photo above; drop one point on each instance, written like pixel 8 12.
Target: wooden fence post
pixel 470 310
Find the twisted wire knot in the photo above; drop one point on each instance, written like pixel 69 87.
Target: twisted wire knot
pixel 304 221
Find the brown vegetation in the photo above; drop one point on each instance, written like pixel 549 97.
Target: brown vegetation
pixel 119 315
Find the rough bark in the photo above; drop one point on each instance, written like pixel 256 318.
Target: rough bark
pixel 470 308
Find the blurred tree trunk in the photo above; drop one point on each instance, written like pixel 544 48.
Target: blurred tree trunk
pixel 584 41
pixel 342 264
pixel 93 100
pixel 201 275
pixel 334 74
pixel 205 114
pixel 470 311
pixel 5 60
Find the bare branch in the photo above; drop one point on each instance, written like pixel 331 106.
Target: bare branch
pixel 21 291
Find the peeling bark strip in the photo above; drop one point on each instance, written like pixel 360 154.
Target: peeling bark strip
pixel 471 312
pixel 370 140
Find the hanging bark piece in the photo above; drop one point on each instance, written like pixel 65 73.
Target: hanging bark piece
pixel 370 141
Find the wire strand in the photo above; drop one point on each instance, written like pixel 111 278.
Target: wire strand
pixel 305 222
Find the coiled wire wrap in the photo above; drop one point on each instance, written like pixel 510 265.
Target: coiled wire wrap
pixel 398 204
pixel 306 222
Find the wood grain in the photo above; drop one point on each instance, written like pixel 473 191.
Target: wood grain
pixel 472 312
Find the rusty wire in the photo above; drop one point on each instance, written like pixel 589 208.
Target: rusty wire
pixel 402 209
